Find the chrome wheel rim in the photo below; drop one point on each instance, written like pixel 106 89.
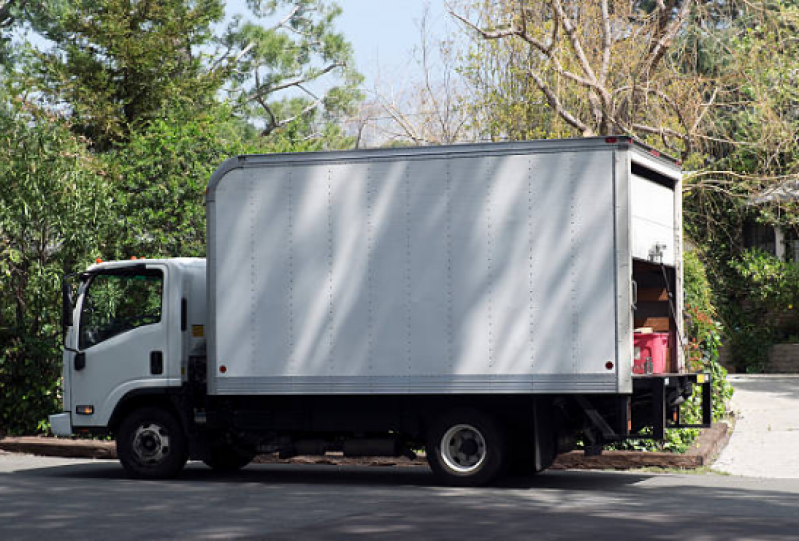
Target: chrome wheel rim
pixel 463 449
pixel 151 443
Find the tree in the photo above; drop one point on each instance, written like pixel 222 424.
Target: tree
pixel 280 73
pixel 115 63
pixel 159 180
pixel 750 175
pixel 53 205
pixel 7 19
pixel 599 67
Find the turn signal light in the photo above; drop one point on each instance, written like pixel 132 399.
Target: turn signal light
pixel 85 410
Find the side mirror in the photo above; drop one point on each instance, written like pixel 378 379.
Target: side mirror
pixel 66 301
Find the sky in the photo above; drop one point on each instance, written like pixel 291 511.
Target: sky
pixel 384 32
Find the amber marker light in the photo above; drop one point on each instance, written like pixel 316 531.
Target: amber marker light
pixel 85 410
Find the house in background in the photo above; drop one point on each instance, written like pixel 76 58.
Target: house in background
pixel 783 243
pixel 776 240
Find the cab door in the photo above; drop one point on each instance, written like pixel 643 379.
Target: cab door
pixel 122 340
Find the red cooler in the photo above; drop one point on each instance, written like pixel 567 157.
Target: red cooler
pixel 651 353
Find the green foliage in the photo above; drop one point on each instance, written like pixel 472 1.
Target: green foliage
pixel 159 181
pixel 51 212
pixel 293 55
pixel 751 179
pixel 704 334
pixel 770 288
pixel 116 64
pixel 771 284
pixel 113 67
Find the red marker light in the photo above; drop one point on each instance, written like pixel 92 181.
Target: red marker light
pixel 610 140
pixel 609 365
pixel 223 369
pixel 655 153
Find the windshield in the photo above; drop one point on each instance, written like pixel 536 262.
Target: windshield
pixel 115 303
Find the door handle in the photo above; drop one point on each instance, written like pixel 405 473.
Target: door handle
pixel 80 361
pixel 156 363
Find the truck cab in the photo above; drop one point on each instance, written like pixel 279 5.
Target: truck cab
pixel 129 330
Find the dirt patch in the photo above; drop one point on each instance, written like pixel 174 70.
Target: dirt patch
pixel 709 444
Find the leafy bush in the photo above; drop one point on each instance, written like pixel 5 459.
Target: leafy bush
pixel 769 287
pixel 50 216
pixel 704 333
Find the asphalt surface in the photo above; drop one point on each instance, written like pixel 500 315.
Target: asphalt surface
pixel 765 439
pixel 65 499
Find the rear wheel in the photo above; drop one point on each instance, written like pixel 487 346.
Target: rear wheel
pixel 151 444
pixel 466 448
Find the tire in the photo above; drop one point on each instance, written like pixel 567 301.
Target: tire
pixel 151 444
pixel 466 448
pixel 228 459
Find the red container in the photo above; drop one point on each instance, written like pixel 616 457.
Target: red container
pixel 651 353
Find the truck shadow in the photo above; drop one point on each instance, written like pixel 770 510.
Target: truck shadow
pixel 322 474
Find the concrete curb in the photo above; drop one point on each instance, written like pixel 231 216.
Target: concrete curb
pixel 710 443
pixel 60 447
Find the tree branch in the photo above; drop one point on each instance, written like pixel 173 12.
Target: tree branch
pixel 556 105
pixel 667 31
pixel 266 90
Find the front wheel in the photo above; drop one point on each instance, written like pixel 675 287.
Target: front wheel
pixel 466 448
pixel 151 444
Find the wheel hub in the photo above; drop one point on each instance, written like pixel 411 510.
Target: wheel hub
pixel 151 443
pixel 463 448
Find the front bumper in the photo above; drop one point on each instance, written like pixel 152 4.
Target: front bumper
pixel 61 424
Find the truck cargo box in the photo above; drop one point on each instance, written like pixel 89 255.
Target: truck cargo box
pixel 501 268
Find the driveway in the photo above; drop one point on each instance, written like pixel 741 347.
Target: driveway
pixel 765 442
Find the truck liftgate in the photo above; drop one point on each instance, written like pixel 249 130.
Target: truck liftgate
pixel 653 407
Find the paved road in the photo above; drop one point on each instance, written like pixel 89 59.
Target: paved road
pixel 65 499
pixel 765 442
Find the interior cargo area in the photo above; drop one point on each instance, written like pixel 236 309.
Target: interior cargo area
pixel 655 329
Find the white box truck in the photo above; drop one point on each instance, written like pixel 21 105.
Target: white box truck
pixel 477 301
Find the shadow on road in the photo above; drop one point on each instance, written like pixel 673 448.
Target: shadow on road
pixel 282 502
pixel 288 474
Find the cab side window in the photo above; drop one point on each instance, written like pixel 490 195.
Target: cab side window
pixel 119 302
